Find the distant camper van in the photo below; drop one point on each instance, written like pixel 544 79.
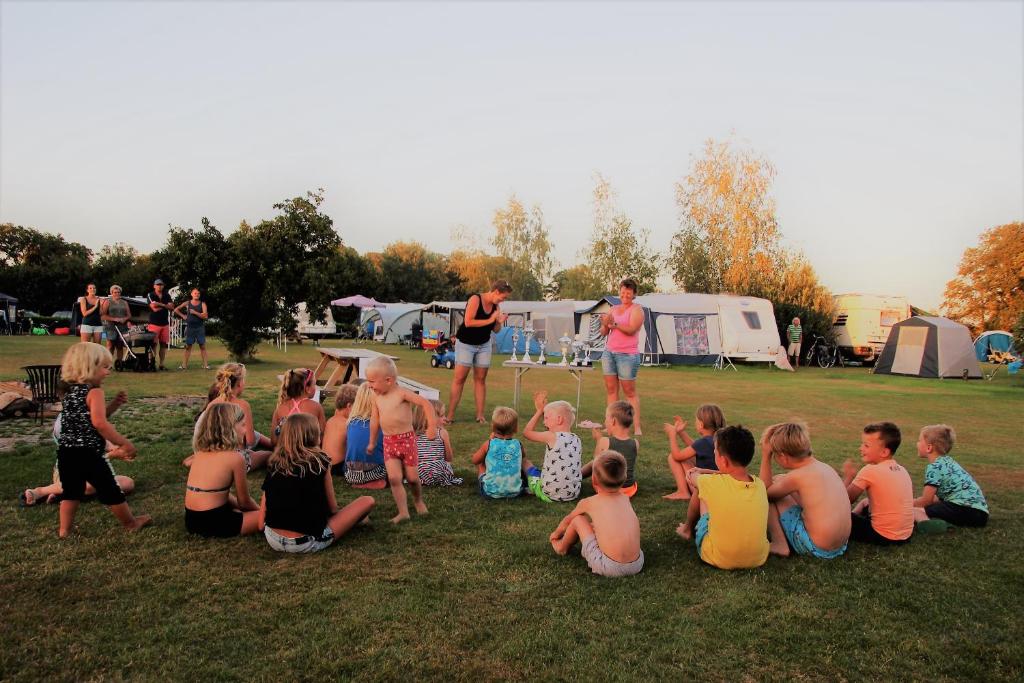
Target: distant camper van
pixel 863 322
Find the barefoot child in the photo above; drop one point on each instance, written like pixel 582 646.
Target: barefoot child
pixel 562 477
pixel 336 431
pixel 809 511
pixel 84 431
pixel 604 524
pixel 732 507
pixel 618 418
pixel 886 517
pixel 698 453
pixel 392 413
pixel 299 511
pixel 433 456
pixel 950 493
pixel 499 460
pixel 298 386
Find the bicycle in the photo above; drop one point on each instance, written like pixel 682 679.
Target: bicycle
pixel 824 353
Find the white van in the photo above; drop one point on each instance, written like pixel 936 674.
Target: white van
pixel 863 322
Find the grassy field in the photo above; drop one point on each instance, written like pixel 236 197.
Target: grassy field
pixel 473 591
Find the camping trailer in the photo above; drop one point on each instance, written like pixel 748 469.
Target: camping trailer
pixel 314 329
pixel 863 322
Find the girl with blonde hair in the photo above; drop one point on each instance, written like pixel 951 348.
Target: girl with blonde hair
pixel 299 512
pixel 228 387
pixel 217 464
pixel 298 387
pixel 362 469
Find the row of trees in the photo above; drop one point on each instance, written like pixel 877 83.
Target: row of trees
pixel 728 241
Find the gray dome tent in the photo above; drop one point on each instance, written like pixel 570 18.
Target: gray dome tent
pixel 928 347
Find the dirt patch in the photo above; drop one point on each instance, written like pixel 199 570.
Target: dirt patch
pixel 998 477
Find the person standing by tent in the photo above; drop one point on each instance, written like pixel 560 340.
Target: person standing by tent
pixel 115 314
pixel 473 346
pixel 795 333
pixel 621 358
pixel 92 326
pixel 160 307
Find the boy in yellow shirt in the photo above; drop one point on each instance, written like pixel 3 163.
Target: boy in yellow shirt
pixel 730 510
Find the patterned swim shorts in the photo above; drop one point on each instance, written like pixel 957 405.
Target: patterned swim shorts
pixel 401 447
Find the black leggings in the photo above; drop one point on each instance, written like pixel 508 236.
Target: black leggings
pixel 77 465
pixel 957 515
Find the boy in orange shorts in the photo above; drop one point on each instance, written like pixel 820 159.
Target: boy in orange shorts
pixel 886 517
pixel 392 414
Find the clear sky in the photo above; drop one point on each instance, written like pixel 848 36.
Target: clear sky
pixel 897 128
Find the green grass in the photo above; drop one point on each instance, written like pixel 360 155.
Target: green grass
pixel 473 591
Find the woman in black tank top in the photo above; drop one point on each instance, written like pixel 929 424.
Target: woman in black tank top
pixel 473 346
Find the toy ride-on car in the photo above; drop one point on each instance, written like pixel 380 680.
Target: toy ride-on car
pixel 443 355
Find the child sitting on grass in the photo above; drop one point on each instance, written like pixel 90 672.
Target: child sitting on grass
pixel 499 460
pixel 227 388
pixel 886 517
pixel 950 493
pixel 299 511
pixel 618 418
pixel 433 456
pixel 298 386
pixel 809 511
pixel 83 437
pixel 604 524
pixel 698 453
pixel 561 478
pixel 336 431
pixel 729 512
pixel 392 413
pixel 363 470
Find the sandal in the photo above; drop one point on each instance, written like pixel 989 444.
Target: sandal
pixel 27 498
pixel 182 367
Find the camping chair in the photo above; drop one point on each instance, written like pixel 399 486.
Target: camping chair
pixel 42 380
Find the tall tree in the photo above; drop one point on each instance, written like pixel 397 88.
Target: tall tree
pixel 45 271
pixel 523 238
pixel 616 250
pixel 477 271
pixel 988 290
pixel 578 282
pixel 408 271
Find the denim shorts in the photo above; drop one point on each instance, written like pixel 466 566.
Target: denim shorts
pixel 302 544
pixel 90 329
pixel 473 355
pixel 625 365
pixel 195 335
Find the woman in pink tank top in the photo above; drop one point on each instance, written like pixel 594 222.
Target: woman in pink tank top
pixel 621 358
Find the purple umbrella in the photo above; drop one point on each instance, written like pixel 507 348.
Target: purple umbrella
pixel 357 300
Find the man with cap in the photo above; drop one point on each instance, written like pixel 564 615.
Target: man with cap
pixel 160 305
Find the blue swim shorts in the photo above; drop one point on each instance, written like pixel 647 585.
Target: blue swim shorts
pixel 701 531
pixel 792 521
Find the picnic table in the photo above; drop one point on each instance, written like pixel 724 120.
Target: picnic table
pixel 348 362
pixel 522 367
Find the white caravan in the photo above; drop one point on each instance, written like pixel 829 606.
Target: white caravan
pixel 863 322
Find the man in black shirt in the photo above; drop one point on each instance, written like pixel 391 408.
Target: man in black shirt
pixel 160 306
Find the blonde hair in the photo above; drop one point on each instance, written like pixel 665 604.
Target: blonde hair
pixel 940 437
pixel 711 416
pixel 298 449
pixel 294 383
pixel 610 470
pixel 563 407
pixel 789 438
pixel 362 406
pixel 82 362
pixel 346 396
pixel 621 412
pixel 383 363
pixel 216 430
pixel 504 421
pixel 228 376
pixel 419 416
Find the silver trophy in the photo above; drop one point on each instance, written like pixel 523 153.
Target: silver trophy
pixel 543 360
pixel 515 343
pixel 586 355
pixel 564 344
pixel 528 331
pixel 576 348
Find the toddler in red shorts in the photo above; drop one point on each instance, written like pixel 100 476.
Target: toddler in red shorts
pixel 392 414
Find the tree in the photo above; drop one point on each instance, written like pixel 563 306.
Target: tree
pixel 578 282
pixel 616 250
pixel 408 271
pixel 477 271
pixel 988 290
pixel 523 238
pixel 43 270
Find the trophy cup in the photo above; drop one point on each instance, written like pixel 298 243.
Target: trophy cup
pixel 586 355
pixel 515 343
pixel 563 343
pixel 528 331
pixel 576 348
pixel 543 360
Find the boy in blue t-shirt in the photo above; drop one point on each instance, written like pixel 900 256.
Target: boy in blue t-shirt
pixel 960 500
pixel 499 460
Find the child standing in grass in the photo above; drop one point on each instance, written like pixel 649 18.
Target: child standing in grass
pixel 604 524
pixel 298 386
pixel 433 456
pixel 299 511
pixel 363 469
pixel 699 453
pixel 83 437
pixel 809 509
pixel 886 517
pixel 729 513
pixel 392 412
pixel 562 476
pixel 618 418
pixel 950 493
pixel 499 460
pixel 336 431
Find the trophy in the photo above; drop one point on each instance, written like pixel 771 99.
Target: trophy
pixel 528 331
pixel 515 343
pixel 543 360
pixel 563 343
pixel 586 355
pixel 576 348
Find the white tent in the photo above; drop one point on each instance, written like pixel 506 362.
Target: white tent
pixel 693 328
pixel 394 322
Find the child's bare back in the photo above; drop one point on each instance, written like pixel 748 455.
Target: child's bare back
pixel 615 525
pixel 821 493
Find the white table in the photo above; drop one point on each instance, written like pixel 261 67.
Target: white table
pixel 522 368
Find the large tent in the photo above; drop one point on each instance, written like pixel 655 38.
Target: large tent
pixel 691 328
pixel 996 341
pixel 393 322
pixel 925 346
pixel 550 320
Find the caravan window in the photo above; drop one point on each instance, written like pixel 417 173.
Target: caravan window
pixel 753 321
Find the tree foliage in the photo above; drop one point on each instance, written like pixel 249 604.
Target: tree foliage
pixel 408 271
pixel 523 239
pixel 988 290
pixel 578 282
pixel 616 250
pixel 44 271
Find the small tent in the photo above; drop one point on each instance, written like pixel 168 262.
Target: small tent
pixel 995 342
pixel 925 346
pixel 393 323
